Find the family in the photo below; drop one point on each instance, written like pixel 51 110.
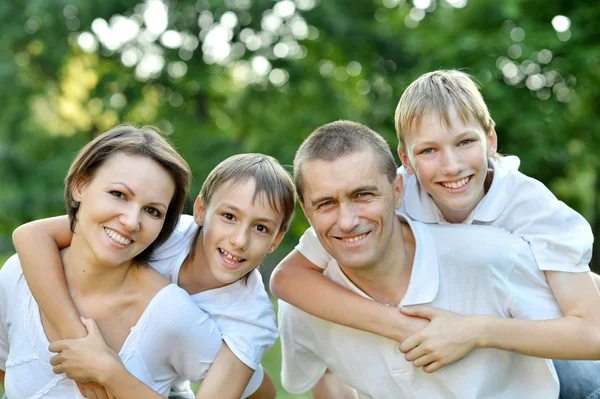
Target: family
pixel 454 276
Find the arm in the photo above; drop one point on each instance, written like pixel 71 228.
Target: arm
pixel 596 279
pixel 219 382
pixel 38 244
pixel 297 281
pixel 449 336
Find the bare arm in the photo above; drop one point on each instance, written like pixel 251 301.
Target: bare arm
pixel 38 244
pixel 227 377
pixel 297 281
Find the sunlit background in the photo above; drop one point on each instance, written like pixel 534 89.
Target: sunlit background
pixel 223 77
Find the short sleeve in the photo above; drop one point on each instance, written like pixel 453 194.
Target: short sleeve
pixel 301 368
pixel 244 314
pixel 192 338
pixel 531 296
pixel 311 248
pixel 172 252
pixel 560 238
pixel 4 296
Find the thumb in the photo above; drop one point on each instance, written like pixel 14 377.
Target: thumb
pixel 425 312
pixel 91 326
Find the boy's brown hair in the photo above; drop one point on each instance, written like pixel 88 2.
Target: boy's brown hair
pixel 271 181
pixel 439 91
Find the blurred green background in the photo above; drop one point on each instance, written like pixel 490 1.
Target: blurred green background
pixel 227 76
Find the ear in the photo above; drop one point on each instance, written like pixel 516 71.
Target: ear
pixel 276 241
pixel 77 189
pixel 492 142
pixel 404 158
pixel 199 210
pixel 398 190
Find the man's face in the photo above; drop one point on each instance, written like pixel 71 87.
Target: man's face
pixel 450 162
pixel 351 205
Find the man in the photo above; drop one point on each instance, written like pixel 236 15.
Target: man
pixel 346 180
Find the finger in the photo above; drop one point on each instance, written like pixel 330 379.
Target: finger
pixel 431 367
pixel 410 343
pixel 92 394
pixel 57 346
pixel 425 360
pixel 60 369
pixel 81 390
pixel 56 360
pixel 110 395
pixel 101 392
pixel 415 353
pixel 425 312
pixel 90 325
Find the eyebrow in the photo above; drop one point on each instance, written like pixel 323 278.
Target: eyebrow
pixel 352 193
pixel 459 136
pixel 133 194
pixel 236 209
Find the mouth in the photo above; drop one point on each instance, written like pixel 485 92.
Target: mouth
pixel 117 238
pixel 353 239
pixel 456 185
pixel 231 261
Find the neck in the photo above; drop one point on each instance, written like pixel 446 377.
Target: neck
pixel 87 276
pixel 195 275
pixel 387 279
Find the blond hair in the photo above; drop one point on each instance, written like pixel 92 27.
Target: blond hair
pixel 440 91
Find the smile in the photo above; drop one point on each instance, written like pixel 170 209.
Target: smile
pixel 456 184
pixel 229 258
pixel 355 238
pixel 116 237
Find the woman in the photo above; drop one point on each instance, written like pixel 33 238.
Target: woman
pixel 124 193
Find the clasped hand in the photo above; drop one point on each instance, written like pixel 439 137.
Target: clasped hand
pixel 447 338
pixel 86 360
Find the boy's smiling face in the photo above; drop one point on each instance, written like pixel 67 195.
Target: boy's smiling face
pixel 450 161
pixel 238 230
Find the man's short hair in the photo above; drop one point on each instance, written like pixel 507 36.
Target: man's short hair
pixel 337 139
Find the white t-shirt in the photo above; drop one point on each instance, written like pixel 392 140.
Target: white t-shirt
pixel 243 313
pixel 560 238
pixel 464 269
pixel 172 338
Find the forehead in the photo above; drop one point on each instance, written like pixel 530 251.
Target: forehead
pixel 433 126
pixel 143 175
pixel 342 176
pixel 243 196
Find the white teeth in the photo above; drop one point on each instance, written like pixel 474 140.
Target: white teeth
pixel 355 238
pixel 229 256
pixel 116 237
pixel 457 184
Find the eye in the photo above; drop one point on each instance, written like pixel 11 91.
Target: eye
pixel 117 194
pixel 262 229
pixel 465 142
pixel 324 205
pixel 228 216
pixel 427 151
pixel 364 195
pixel 153 212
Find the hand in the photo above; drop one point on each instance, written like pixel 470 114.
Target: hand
pixel 92 390
pixel 86 359
pixel 448 337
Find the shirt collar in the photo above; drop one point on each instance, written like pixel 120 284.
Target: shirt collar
pixel 424 281
pixel 419 205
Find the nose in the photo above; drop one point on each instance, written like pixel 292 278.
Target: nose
pixel 239 238
pixel 451 162
pixel 347 217
pixel 130 218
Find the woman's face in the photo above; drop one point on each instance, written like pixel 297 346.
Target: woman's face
pixel 122 208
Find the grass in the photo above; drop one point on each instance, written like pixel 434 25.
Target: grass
pixel 271 362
